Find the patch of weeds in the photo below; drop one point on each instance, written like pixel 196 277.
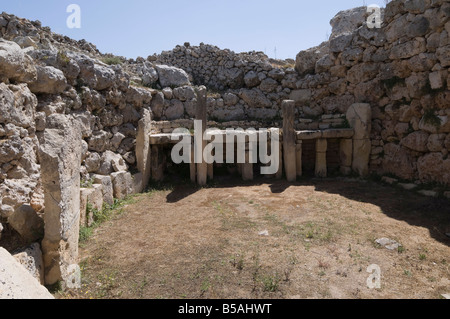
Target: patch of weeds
pixel 111 60
pixel 87 183
pixel 205 286
pixel 422 256
pixel 407 273
pixel 238 261
pixel 400 249
pixel 270 282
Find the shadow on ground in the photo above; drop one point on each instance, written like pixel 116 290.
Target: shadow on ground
pixel 408 206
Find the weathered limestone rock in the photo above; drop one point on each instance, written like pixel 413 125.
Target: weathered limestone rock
pixel 359 116
pixel 305 61
pixel 143 154
pixel 255 98
pixel 49 80
pixel 18 105
pixel 298 158
pixel 27 223
pixel 301 97
pixel 107 188
pixel 105 75
pixel 433 167
pixel 416 141
pixel 31 259
pixel 289 140
pixel 60 158
pixel 15 64
pixel 251 79
pixel 321 158
pixel 122 184
pixel 398 161
pixel 346 155
pixel 202 167
pixel 16 282
pixel 171 76
pixel 175 110
pixel 90 199
pixel 347 21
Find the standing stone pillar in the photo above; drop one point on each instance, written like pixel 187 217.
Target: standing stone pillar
pixel 157 163
pixel 143 149
pixel 359 116
pixel 193 166
pixel 298 158
pixel 321 157
pixel 202 166
pixel 60 158
pixel 247 167
pixel 346 155
pixel 289 140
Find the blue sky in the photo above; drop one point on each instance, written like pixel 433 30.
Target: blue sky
pixel 134 28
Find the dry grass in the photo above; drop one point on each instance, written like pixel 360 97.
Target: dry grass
pixel 314 239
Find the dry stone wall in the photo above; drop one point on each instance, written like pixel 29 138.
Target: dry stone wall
pixel 72 117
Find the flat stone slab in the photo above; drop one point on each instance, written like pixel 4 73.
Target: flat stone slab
pixel 388 243
pixel 407 186
pixel 331 133
pixel 16 282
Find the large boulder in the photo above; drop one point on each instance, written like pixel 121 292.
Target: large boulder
pixel 15 65
pixel 170 76
pixel 18 105
pixel 255 98
pixel 16 282
pixel 305 61
pixel 347 21
pixel 49 80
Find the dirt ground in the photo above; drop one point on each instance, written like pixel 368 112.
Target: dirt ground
pixel 269 239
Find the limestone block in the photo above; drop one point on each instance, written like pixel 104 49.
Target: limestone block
pixel 107 188
pixel 31 259
pixel 143 154
pixel 16 282
pixel 361 156
pixel 60 157
pixel 90 199
pixel 122 184
pixel 359 116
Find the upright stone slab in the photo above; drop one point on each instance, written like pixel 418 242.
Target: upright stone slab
pixel 202 166
pixel 60 158
pixel 346 155
pixel 157 163
pixel 122 184
pixel 90 199
pixel 359 116
pixel 321 157
pixel 193 167
pixel 247 168
pixel 143 149
pixel 107 188
pixel 289 140
pixel 298 158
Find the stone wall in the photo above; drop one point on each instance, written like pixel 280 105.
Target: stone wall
pixel 400 69
pixel 72 117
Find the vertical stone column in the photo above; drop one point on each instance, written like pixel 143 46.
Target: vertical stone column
pixel 289 140
pixel 247 168
pixel 193 166
pixel 359 116
pixel 60 158
pixel 143 149
pixel 202 167
pixel 298 158
pixel 157 163
pixel 346 155
pixel 321 157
